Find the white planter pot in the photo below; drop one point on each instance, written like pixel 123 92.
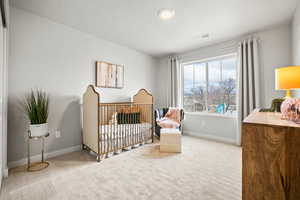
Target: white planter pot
pixel 38 129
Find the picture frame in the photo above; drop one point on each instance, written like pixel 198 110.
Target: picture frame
pixel 3 13
pixel 109 75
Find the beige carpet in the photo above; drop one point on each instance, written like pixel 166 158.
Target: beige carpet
pixel 205 170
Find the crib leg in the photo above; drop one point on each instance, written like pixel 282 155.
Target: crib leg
pixel 152 136
pixel 98 158
pixel 83 147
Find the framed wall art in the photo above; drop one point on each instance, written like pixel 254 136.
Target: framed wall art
pixel 109 75
pixel 3 13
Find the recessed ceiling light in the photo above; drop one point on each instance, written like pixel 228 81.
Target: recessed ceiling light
pixel 166 14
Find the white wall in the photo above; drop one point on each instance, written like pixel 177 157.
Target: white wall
pixel 275 51
pixel 60 60
pixel 211 126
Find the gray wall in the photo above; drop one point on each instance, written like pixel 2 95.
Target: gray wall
pixel 2 83
pixel 296 41
pixel 275 50
pixel 3 93
pixel 296 36
pixel 60 60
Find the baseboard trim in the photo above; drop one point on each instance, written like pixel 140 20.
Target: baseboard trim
pixel 210 137
pixel 36 158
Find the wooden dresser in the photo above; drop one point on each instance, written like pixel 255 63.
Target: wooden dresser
pixel 271 157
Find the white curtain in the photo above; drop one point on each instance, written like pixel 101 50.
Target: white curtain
pixel 248 69
pixel 174 67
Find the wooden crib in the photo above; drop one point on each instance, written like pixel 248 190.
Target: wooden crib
pixel 109 128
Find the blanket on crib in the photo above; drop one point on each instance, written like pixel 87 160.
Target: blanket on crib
pixel 171 119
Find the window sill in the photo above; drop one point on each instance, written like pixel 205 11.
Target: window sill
pixel 232 116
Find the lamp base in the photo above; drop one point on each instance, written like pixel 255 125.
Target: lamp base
pixel 288 94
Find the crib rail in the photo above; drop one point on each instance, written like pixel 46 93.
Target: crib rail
pixel 124 126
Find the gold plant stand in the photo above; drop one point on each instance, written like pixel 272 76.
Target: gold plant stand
pixel 37 166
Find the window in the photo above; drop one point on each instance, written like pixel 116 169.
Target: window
pixel 210 86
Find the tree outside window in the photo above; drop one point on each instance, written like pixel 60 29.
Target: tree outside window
pixel 210 86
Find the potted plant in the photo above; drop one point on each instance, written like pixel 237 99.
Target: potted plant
pixel 37 109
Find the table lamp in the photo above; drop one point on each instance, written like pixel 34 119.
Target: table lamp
pixel 287 78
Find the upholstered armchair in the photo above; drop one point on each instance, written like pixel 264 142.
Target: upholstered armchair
pixel 160 113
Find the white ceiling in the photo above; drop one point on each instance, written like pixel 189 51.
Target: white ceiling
pixel 134 23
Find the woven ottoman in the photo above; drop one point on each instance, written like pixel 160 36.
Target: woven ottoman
pixel 170 140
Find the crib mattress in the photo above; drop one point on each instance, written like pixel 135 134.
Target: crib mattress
pixel 120 130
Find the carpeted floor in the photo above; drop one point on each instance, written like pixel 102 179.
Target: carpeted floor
pixel 205 170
